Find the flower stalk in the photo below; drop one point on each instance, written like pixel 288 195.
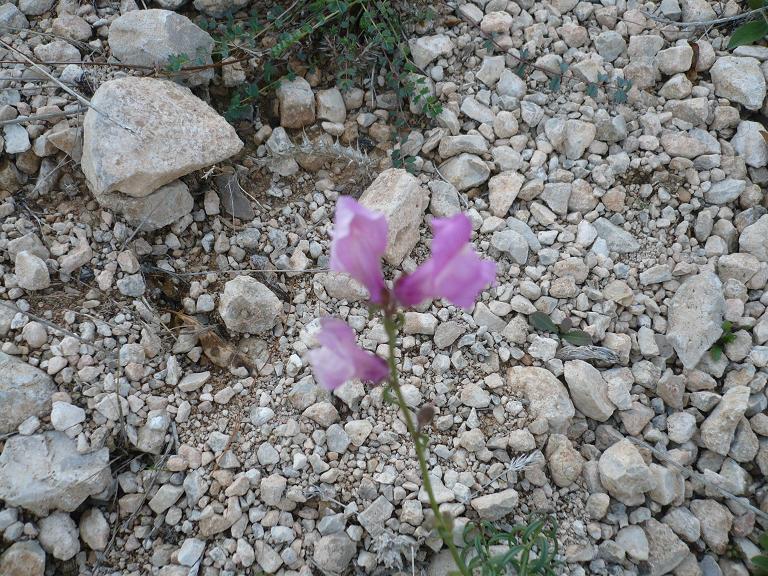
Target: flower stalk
pixel 420 444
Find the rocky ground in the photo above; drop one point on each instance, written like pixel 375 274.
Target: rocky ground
pixel 163 272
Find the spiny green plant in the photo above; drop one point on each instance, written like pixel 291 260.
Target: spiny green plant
pixel 527 549
pixel 543 322
pixel 727 337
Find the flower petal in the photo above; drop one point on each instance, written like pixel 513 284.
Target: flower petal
pixel 359 242
pixel 339 359
pixel 454 271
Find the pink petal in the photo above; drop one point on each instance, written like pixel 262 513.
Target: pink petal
pixel 359 242
pixel 454 271
pixel 339 359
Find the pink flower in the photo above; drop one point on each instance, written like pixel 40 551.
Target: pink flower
pixel 454 272
pixel 359 242
pixel 339 359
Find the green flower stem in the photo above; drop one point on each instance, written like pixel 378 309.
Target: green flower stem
pixel 443 529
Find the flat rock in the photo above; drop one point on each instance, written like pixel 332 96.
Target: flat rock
pixel 495 506
pixel 399 196
pixel 617 239
pixel 152 37
pixel 465 171
pixel 665 550
pixel 297 103
pixel 696 317
pixel 45 472
pixel 24 391
pixel 739 80
pixel 160 208
pixel 154 132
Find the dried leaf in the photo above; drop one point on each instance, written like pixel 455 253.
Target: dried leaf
pixel 425 415
pixel 215 348
pixel 764 134
pixel 691 74
pixel 543 322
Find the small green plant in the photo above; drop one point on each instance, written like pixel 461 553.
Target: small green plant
pixel 526 549
pixel 752 31
pixel 543 322
pixel 728 336
pixel 363 40
pixel 760 562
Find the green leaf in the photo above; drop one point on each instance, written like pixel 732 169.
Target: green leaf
pixel 577 338
pixel 716 352
pixel 764 541
pixel 592 90
pixel 543 322
pixel 755 4
pixel 748 33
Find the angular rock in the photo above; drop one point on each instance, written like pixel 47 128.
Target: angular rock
pixel 618 239
pixel 12 17
pixel 739 80
pixel 160 208
pixel 23 558
pixel 94 529
pixel 426 49
pixel 497 505
pixel 249 306
pixel 220 8
pixel 25 391
pixel 333 553
pixel 465 171
pixel 718 429
pixel 624 473
pixel 695 317
pixel 547 396
pixel 152 37
pixel 750 144
pixel 58 536
pixel 588 389
pixel 665 550
pixel 296 102
pixel 375 515
pixel 754 239
pixel 149 133
pixel 45 472
pixel 399 196
pixel 503 190
pixel 31 272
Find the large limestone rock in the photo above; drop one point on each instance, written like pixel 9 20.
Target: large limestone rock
pixel 151 37
pixel 547 396
pixel 24 391
pixel 696 317
pixel 45 472
pixel 399 196
pixel 151 132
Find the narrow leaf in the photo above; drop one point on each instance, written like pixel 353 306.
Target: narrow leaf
pixel 748 33
pixel 542 322
pixel 578 338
